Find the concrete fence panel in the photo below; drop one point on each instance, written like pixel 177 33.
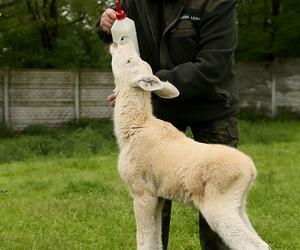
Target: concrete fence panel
pixel 55 96
pixel 288 84
pixel 1 95
pixel 95 87
pixel 254 81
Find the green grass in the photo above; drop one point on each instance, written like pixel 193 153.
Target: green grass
pixel 59 189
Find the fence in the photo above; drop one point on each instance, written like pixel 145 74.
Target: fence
pixel 56 96
pixel 52 96
pixel 269 86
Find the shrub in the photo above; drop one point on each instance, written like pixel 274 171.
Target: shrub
pixel 5 131
pixel 84 137
pixel 37 129
pixel 283 114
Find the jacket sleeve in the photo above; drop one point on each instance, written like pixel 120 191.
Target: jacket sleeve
pixel 216 45
pixel 105 37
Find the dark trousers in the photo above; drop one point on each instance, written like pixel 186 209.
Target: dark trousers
pixel 220 132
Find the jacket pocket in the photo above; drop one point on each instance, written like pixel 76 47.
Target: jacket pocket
pixel 184 28
pixel 182 42
pixel 224 96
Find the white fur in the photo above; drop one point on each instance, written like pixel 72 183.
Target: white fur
pixel 157 161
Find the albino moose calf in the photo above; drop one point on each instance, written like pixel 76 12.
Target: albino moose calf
pixel 157 161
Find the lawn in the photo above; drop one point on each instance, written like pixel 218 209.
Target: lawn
pixel 59 189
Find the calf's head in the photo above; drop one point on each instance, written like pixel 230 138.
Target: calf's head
pixel 131 71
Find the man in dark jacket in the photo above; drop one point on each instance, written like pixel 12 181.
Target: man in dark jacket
pixel 191 44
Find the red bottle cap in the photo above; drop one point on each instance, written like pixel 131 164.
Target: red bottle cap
pixel 120 13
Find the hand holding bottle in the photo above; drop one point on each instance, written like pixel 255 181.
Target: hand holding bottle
pixel 107 20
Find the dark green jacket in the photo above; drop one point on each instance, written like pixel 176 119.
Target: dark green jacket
pixel 191 44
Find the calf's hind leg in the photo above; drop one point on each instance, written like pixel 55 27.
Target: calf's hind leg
pixel 224 218
pixel 244 215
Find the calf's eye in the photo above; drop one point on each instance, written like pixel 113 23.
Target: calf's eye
pixel 123 40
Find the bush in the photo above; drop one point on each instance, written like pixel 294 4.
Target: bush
pixel 102 126
pixel 37 129
pixel 84 137
pixel 5 131
pixel 283 114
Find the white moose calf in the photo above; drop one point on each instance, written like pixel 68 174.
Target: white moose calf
pixel 157 161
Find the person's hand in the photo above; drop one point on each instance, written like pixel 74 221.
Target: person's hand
pixel 107 20
pixel 112 99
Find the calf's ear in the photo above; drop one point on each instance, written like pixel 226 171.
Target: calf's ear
pixel 168 91
pixel 149 83
pixel 162 89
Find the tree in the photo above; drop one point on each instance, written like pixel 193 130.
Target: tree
pixel 45 15
pixel 50 33
pixel 268 29
pixel 61 34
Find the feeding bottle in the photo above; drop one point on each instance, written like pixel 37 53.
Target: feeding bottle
pixel 124 26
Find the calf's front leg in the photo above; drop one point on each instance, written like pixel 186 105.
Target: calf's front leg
pixel 145 211
pixel 158 221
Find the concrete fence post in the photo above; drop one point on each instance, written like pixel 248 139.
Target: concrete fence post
pixel 274 65
pixel 77 94
pixel 6 96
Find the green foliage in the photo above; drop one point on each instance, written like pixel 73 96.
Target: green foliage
pixel 37 129
pixel 38 34
pixel 268 29
pixel 86 137
pixel 288 35
pixel 253 114
pixel 52 34
pixel 5 131
pixel 80 202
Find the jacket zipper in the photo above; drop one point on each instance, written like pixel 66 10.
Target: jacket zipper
pixel 151 29
pixel 162 57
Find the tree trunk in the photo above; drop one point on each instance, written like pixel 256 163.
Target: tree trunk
pixel 46 18
pixel 276 7
pixel 275 13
